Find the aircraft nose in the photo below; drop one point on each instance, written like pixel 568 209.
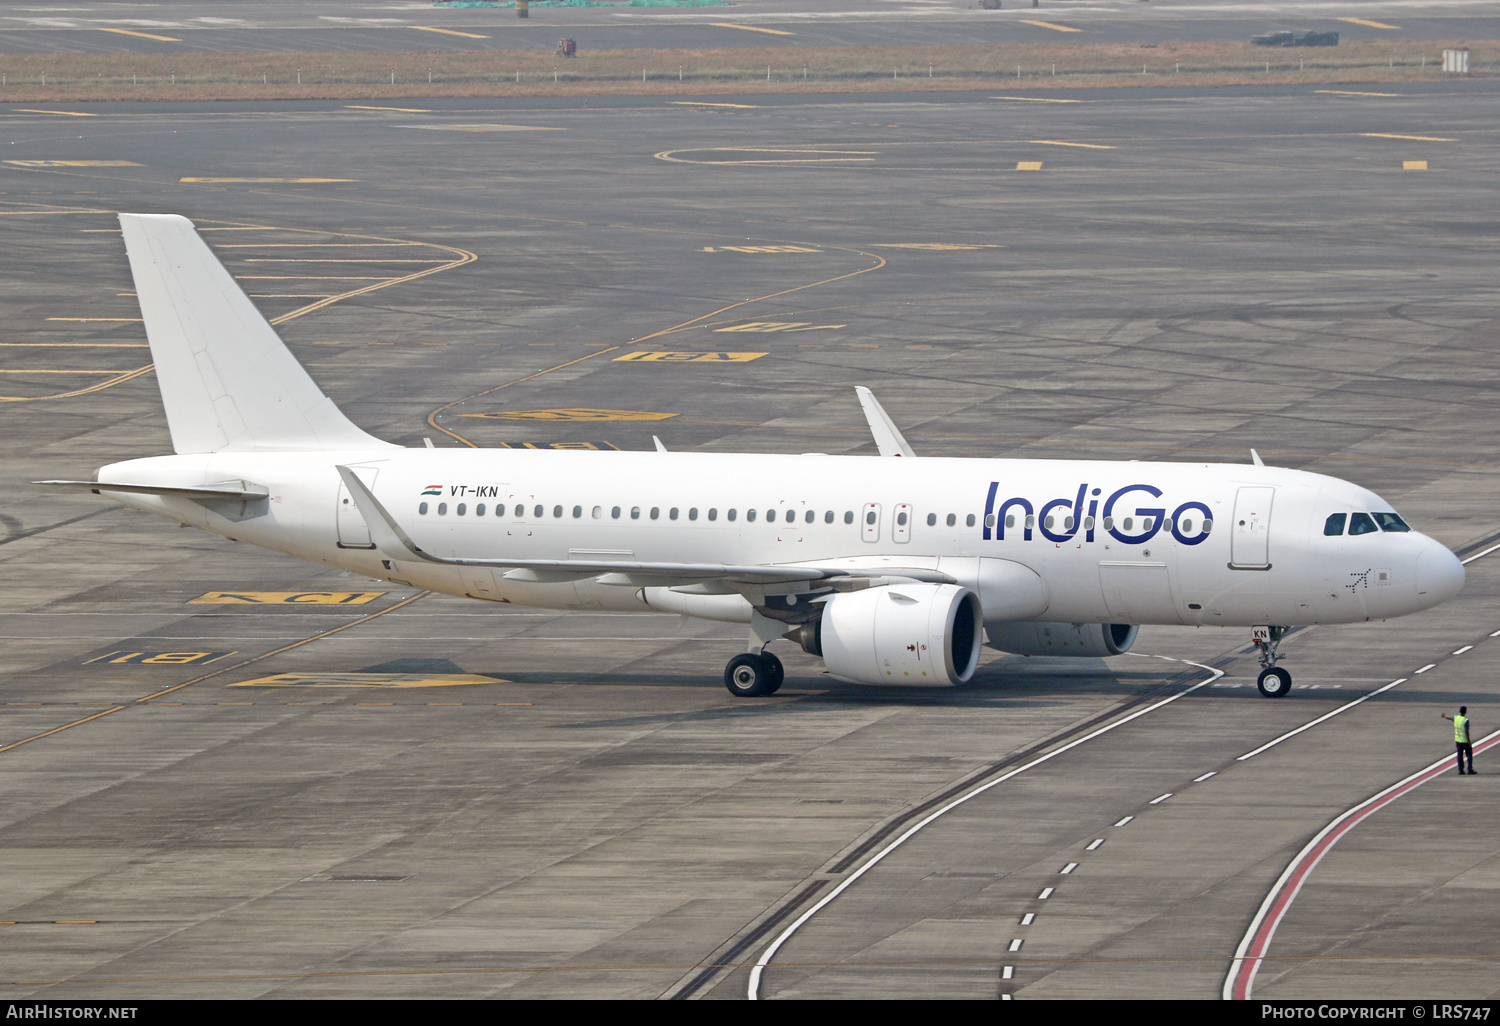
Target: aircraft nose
pixel 1440 575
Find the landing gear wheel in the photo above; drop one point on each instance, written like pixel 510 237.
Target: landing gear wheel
pixel 751 674
pixel 1274 682
pixel 778 672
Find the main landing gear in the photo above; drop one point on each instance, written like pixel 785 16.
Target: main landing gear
pixel 752 674
pixel 1273 682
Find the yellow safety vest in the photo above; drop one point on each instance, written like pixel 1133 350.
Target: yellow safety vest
pixel 1461 729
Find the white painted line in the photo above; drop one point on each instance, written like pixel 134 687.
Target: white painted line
pixel 1094 843
pixel 1028 919
pixel 1015 945
pixel 1479 555
pixel 1495 634
pixel 1046 893
pixel 1160 799
pixel 1425 668
pixel 1005 997
pixel 1326 716
pixel 1007 972
pixel 1065 870
pixel 1463 650
pixel 1127 819
pixel 753 989
pixel 1257 940
pixel 1210 773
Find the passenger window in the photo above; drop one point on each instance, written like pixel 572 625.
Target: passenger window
pixel 635 512
pixel 1146 523
pixel 770 516
pixel 1208 525
pixel 479 510
pixel 1360 523
pixel 1010 520
pixel 462 509
pixel 1047 523
pixel 1390 522
pixel 848 516
pixel 422 510
pixel 1030 521
pixel 442 509
pixel 557 511
pixel 1334 525
pixel 713 514
pixel 731 515
pixel 870 517
pixel 693 513
pixel 1109 523
pixel 499 511
pixel 520 511
pixel 1130 523
pixel 614 513
pixel 1185 525
pixel 598 512
pixel 655 512
pixel 672 513
pixel 750 516
pixel 577 512
pixel 1088 523
pixel 537 512
pixel 952 519
pixel 828 517
pixel 989 520
pixel 969 520
pixel 932 520
pixel 810 516
pixel 1067 523
pixel 901 519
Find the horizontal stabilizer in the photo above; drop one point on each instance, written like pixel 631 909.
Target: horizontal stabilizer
pixel 228 382
pixel 240 491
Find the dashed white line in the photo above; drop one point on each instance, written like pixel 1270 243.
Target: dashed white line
pixel 1495 634
pixel 1326 716
pixel 1007 972
pixel 1094 843
pixel 1127 819
pixel 1463 650
pixel 1159 799
pixel 1425 668
pixel 1046 893
pixel 1065 870
pixel 1210 773
pixel 1015 945
pixel 1028 919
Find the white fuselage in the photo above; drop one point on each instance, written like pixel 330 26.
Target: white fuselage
pixel 1140 543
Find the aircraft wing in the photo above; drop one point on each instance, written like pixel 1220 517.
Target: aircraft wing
pixel 391 539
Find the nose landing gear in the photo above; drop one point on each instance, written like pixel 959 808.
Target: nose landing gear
pixel 1273 682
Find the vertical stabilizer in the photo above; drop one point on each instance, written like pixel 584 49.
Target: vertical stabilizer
pixel 228 382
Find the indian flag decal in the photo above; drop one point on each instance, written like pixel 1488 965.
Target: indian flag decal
pixel 433 490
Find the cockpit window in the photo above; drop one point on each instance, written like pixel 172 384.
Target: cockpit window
pixel 1334 525
pixel 1360 523
pixel 1390 522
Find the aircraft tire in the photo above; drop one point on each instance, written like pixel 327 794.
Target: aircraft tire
pixel 750 675
pixel 778 672
pixel 1274 682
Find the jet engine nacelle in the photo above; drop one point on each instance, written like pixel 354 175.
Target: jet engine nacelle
pixel 1062 639
pixel 901 634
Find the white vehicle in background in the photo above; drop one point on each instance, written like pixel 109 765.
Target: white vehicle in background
pixel 893 570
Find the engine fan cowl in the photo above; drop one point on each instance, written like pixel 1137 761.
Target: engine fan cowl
pixel 902 634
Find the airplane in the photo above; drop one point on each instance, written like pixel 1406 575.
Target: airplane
pixel 894 569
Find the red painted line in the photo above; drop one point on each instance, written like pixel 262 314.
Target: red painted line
pixel 1257 939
